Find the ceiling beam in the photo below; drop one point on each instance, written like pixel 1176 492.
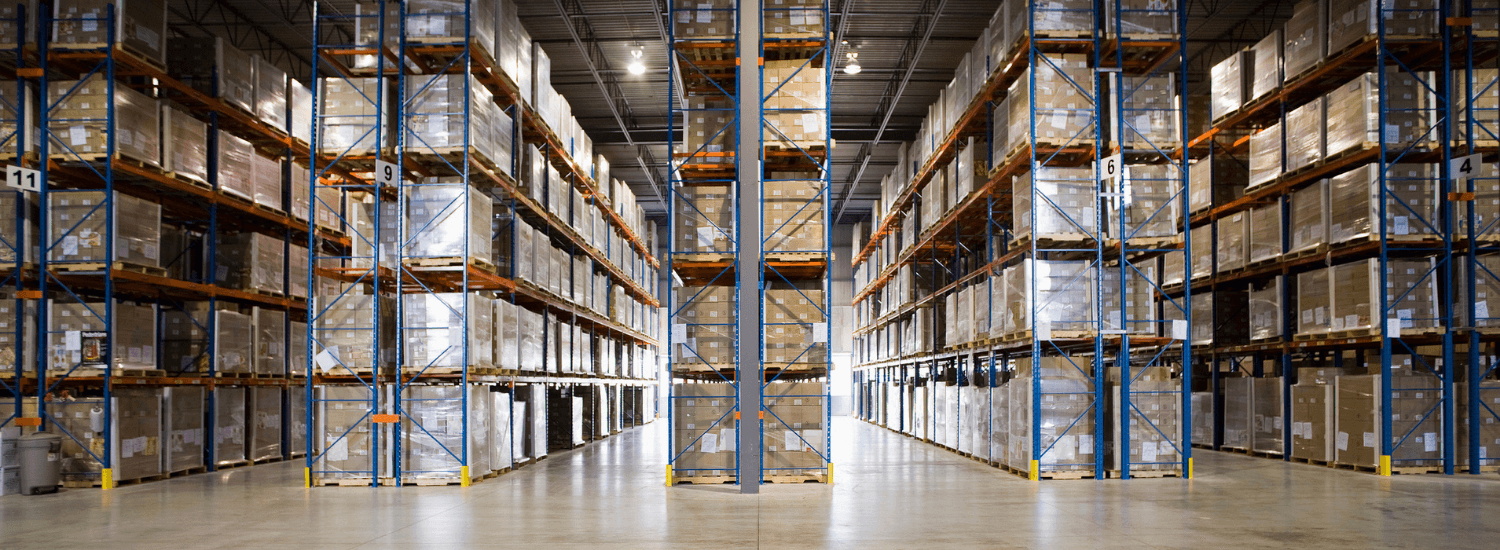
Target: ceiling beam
pixel 921 33
pixel 576 20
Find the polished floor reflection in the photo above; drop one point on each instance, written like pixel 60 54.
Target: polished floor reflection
pixel 890 491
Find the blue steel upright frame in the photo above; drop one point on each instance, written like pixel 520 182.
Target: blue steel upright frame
pixel 811 159
pixel 719 95
pixel 1478 134
pixel 15 247
pixel 1135 256
pixel 322 356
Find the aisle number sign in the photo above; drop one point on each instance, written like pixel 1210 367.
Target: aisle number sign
pixel 24 179
pixel 1464 168
pixel 1112 168
pixel 386 174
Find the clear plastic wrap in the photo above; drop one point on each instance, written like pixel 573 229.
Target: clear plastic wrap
pixel 1201 252
pixel 1314 304
pixel 703 429
pixel 80 126
pixel 135 434
pixel 1309 207
pixel 1312 422
pixel 1305 37
pixel 345 331
pixel 1173 268
pixel 1139 313
pixel 301 101
pixel 184 144
pixel 531 340
pixel 1203 418
pixel 794 84
pixel 236 161
pixel 445 22
pixel 432 431
pixel 792 216
pixel 132 345
pixel 296 364
pixel 234 342
pixel 1354 113
pixel 1229 83
pixel 79 231
pixel 437 125
pixel 251 261
pixel 270 93
pixel 795 426
pixel 1411 296
pixel 1141 19
pixel 1049 18
pixel 1216 180
pixel 1063 114
pixel 1352 21
pixel 184 338
pixel 1059 293
pixel 1411 203
pixel 1151 204
pixel 1067 432
pixel 1150 113
pixel 343 433
pixel 1155 426
pixel 270 341
pixel 1233 242
pixel 140 26
pixel 1487 285
pixel 433 331
pixel 230 439
pixel 448 221
pixel 1265 56
pixel 1265 155
pixel 1267 425
pixel 1068 210
pixel 1237 413
pixel 349 114
pixel 1264 233
pixel 1482 87
pixel 265 183
pixel 1265 309
pixel 212 66
pixel 183 412
pixel 1305 134
pixel 263 421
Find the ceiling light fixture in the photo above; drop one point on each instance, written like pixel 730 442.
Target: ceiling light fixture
pixel 851 66
pixel 636 67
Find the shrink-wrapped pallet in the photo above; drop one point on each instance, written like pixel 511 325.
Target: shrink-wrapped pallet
pixel 229 430
pixel 76 338
pixel 1068 210
pixel 1265 226
pixel 1150 114
pixel 1150 204
pixel 80 230
pixel 270 341
pixel 1309 223
pixel 1410 195
pixel 1266 309
pixel 1265 57
pixel 1305 37
pixel 270 93
pixel 265 181
pixel 1229 83
pixel 1237 413
pixel 1266 420
pixel 1060 108
pixel 1233 244
pixel 1312 422
pixel 184 144
pixel 1066 429
pixel 251 261
pixel 1314 304
pixel 1053 298
pixel 1355 113
pixel 1353 21
pixel 1216 180
pixel 1266 155
pixel 344 337
pixel 446 220
pixel 214 67
pixel 343 434
pixel 80 123
pixel 349 111
pixel 134 434
pixel 140 26
pixel 1410 297
pixel 183 414
pixel 435 336
pixel 263 422
pixel 1305 143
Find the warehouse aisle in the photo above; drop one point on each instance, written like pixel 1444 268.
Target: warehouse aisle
pixel 889 492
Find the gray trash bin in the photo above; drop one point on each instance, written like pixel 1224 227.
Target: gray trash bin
pixel 41 462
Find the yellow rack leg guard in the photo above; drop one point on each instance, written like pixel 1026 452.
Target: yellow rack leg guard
pixel 830 473
pixel 1034 475
pixel 669 475
pixel 1385 465
pixel 1190 469
pixel 464 472
pixel 108 481
pixel 306 476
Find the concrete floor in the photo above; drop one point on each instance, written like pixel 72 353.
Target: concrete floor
pixel 890 491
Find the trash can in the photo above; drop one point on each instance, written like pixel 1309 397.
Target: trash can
pixel 41 462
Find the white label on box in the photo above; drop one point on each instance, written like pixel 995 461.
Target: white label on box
pixel 77 135
pixel 1307 317
pixel 1393 328
pixel 1318 315
pixel 339 451
pixel 327 359
pixel 820 332
pixel 709 443
pixel 1482 453
pixel 1369 440
pixel 1429 442
pixel 727 440
pixel 1044 330
pixel 70 245
pixel 1341 441
pixel 1481 309
pixel 1401 225
pixel 679 332
pixel 1179 329
pixel 73 340
pixel 793 442
pixel 1148 451
pixel 1085 444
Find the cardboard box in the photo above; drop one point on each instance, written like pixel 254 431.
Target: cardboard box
pixel 184 144
pixel 1229 83
pixel 1312 422
pixel 704 219
pixel 140 26
pixel 1351 21
pixel 1266 311
pixel 1411 202
pixel 132 342
pixel 263 422
pixel 1305 37
pixel 1068 212
pixel 703 19
pixel 79 228
pixel 1354 113
pixel 1265 156
pixel 1216 180
pixel 1266 57
pixel 1266 415
pixel 1309 208
pixel 134 445
pixel 1233 246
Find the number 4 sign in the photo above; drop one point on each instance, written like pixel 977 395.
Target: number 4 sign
pixel 1464 168
pixel 24 179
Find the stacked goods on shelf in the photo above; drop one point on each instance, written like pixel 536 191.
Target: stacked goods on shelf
pixel 138 27
pixel 135 427
pixel 795 428
pixel 1155 424
pixel 1066 429
pixel 704 427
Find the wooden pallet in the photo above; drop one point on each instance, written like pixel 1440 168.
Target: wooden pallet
pixel 795 256
pixel 235 464
pixel 195 470
pixel 268 460
pixel 1310 461
pixel 799 478
pixel 1025 335
pixel 1148 474
pixel 1319 250
pixel 704 480
pixel 431 482
pixel 456 261
pixel 451 156
pixel 813 148
pixel 1053 240
pixel 343 482
pixel 98 267
pixel 234 375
